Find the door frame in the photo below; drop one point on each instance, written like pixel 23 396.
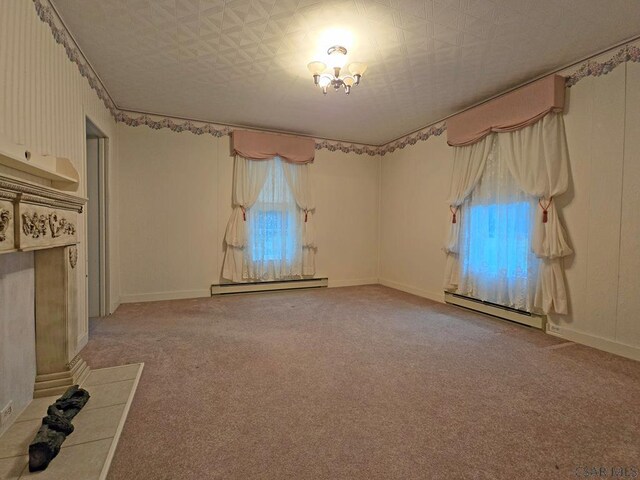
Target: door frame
pixel 103 209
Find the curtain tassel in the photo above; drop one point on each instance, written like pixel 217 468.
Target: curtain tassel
pixel 454 212
pixel 306 214
pixel 244 214
pixel 545 216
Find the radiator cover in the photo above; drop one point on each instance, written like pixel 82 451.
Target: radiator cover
pixel 513 315
pixel 253 287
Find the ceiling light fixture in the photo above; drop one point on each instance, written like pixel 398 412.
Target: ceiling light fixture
pixel 337 57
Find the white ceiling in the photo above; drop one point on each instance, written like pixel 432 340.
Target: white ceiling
pixel 243 62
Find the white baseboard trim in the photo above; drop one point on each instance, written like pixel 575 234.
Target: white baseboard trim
pixel 157 296
pixel 185 294
pixel 600 343
pixel 82 341
pixel 114 306
pixel 435 296
pixel 352 283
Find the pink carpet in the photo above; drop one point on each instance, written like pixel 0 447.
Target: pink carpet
pixel 360 383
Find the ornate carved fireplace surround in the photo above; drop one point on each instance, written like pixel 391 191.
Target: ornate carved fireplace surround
pixel 44 219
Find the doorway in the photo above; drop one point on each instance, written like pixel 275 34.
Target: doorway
pixel 97 275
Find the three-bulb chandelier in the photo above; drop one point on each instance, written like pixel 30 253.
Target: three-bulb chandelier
pixel 337 57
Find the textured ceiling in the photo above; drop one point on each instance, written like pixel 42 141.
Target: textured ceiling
pixel 243 62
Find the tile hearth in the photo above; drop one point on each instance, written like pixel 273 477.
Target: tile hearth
pixel 86 454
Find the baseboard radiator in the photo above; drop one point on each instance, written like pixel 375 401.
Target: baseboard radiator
pixel 253 287
pixel 506 313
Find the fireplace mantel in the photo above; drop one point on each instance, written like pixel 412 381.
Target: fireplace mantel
pixel 45 220
pixel 35 217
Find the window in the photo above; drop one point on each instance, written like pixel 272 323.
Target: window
pixel 497 263
pixel 269 243
pixel 505 231
pixel 274 230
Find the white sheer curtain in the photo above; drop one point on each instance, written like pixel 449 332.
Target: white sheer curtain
pixel 248 178
pixel 274 230
pixel 299 179
pixel 468 166
pixel 270 233
pixel 538 158
pixel 497 263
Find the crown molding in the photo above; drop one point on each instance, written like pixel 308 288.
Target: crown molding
pixel 48 14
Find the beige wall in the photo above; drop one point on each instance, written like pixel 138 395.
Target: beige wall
pixel 347 188
pixel 178 190
pixel 43 104
pixel 169 230
pixel 600 211
pixel 413 217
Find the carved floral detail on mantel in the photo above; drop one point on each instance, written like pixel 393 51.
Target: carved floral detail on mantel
pixel 629 53
pixel 5 219
pixel 35 225
pixel 61 226
pixel 73 256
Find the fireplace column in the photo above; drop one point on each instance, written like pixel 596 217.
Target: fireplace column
pixel 58 365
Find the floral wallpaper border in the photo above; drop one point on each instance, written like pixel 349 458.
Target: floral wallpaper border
pixel 412 139
pixel 157 122
pixel 61 35
pixel 46 13
pixel 592 68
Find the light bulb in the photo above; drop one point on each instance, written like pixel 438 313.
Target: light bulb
pixel 337 60
pixel 324 81
pixel 348 81
pixel 337 56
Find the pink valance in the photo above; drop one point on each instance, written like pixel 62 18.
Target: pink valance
pixel 263 146
pixel 512 111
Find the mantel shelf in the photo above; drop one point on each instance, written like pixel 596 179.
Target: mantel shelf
pixel 56 169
